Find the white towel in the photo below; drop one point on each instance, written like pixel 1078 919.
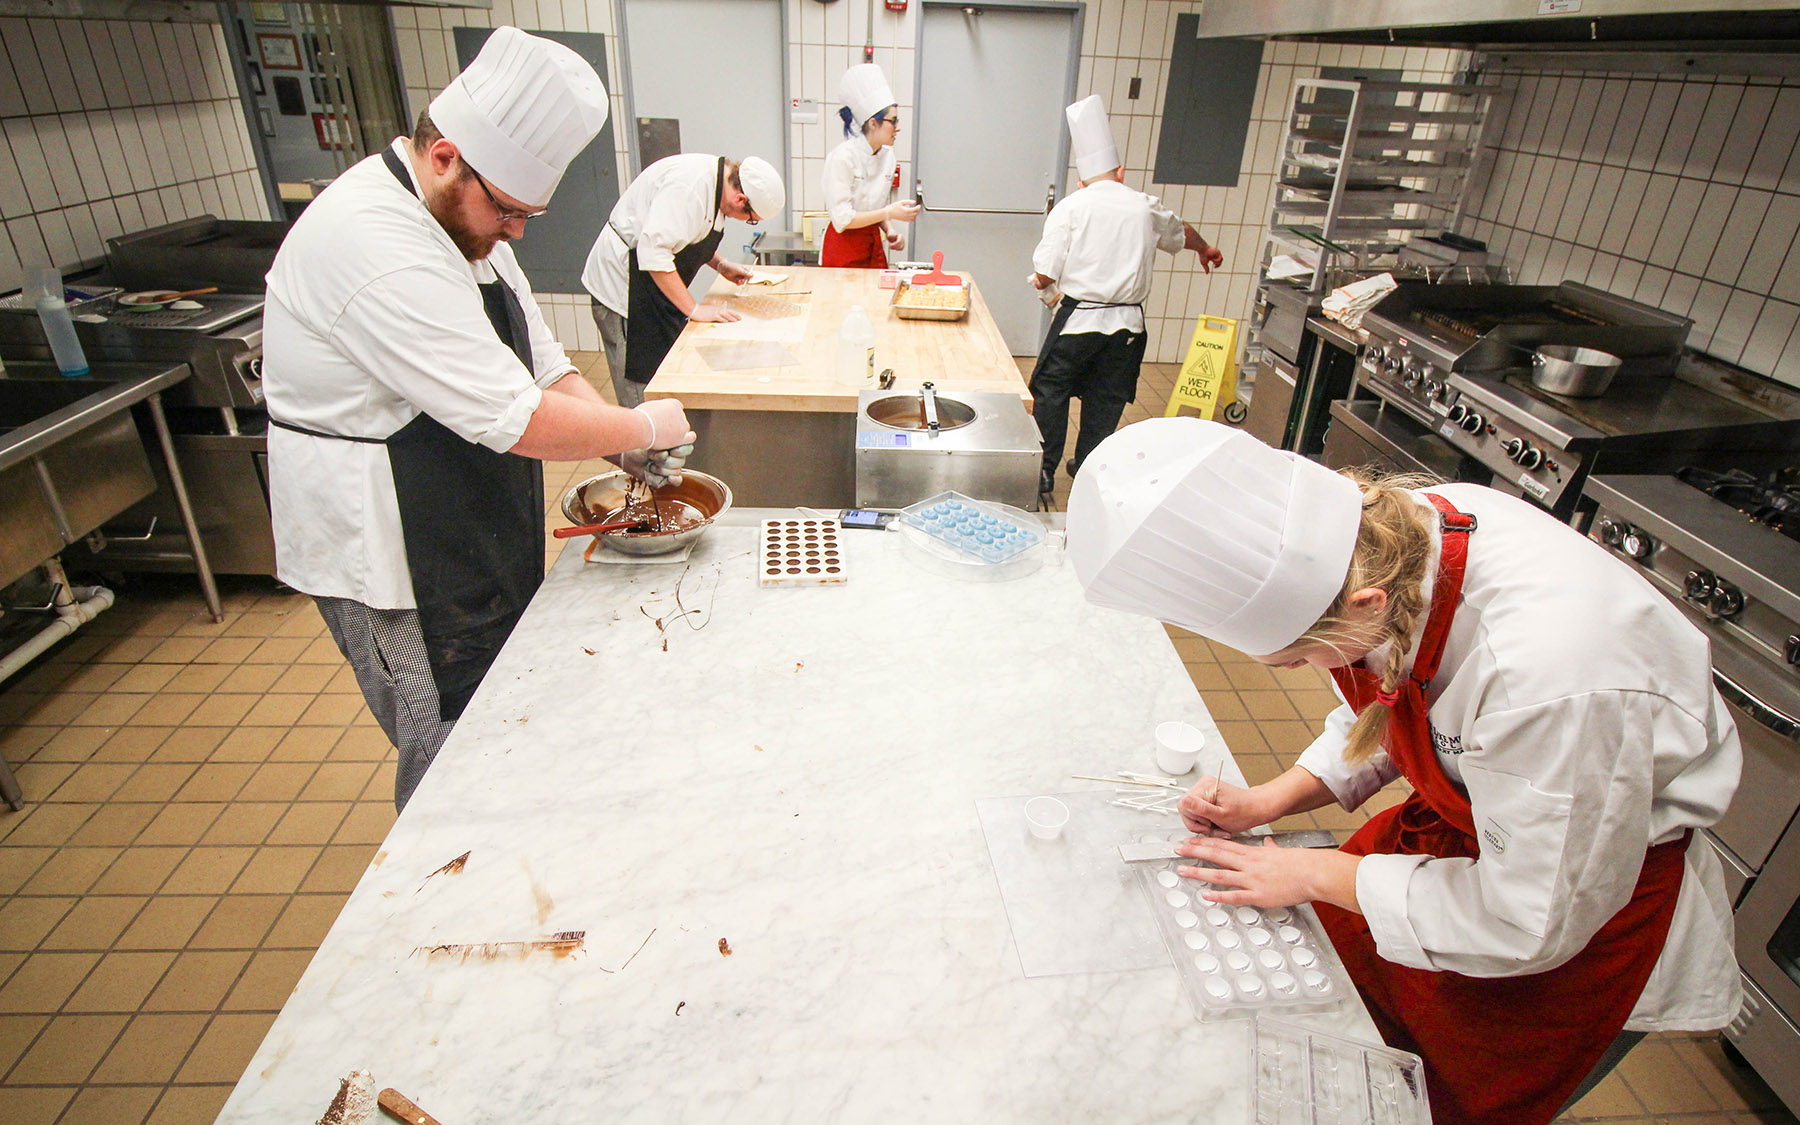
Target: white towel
pixel 1348 303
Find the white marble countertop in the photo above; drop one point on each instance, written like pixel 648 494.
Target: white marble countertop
pixel 799 778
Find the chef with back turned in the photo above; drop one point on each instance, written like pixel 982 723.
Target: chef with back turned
pixel 1098 246
pixel 414 390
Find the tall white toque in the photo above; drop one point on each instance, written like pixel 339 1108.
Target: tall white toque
pixel 865 91
pixel 1090 134
pixel 1203 526
pixel 521 111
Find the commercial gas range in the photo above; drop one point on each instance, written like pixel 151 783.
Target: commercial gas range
pixel 1449 371
pixel 1725 548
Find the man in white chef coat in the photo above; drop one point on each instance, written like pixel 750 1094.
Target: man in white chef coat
pixel 1098 246
pixel 663 229
pixel 414 390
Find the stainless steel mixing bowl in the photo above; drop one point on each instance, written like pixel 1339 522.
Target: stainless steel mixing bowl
pixel 600 498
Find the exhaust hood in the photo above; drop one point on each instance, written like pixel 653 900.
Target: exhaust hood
pixel 1758 25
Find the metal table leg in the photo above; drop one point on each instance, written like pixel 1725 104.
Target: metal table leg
pixel 208 588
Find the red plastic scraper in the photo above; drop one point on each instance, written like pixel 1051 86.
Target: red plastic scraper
pixel 937 276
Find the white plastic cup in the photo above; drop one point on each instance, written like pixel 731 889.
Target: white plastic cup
pixel 1178 746
pixel 1046 816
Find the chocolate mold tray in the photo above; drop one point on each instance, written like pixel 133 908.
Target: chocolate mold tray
pixel 1239 960
pixel 1305 1077
pixel 971 527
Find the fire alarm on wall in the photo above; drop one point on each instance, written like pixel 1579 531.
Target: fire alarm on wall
pixel 896 5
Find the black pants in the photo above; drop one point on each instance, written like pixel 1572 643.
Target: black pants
pixel 1101 371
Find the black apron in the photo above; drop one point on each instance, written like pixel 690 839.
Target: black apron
pixel 652 322
pixel 472 520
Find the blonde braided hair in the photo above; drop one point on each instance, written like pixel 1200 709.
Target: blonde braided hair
pixel 1393 554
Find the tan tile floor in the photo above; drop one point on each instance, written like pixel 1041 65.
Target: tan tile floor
pixel 204 797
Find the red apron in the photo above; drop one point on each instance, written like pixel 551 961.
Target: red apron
pixel 856 248
pixel 1497 1049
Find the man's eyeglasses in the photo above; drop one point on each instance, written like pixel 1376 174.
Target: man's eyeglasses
pixel 500 212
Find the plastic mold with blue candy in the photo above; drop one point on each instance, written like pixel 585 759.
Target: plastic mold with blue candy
pixel 971 527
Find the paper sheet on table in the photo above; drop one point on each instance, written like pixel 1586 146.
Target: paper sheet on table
pixel 766 277
pixel 742 355
pixel 789 329
pixel 1072 902
pixel 1285 267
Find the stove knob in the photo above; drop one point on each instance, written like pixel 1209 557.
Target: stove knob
pixel 1637 544
pixel 1473 422
pixel 1434 390
pixel 1375 355
pixel 1610 532
pixel 1530 458
pixel 1699 586
pixel 1793 650
pixel 1392 366
pixel 1513 447
pixel 1727 600
pixel 1458 413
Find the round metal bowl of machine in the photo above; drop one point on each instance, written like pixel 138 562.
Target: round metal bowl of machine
pixel 635 519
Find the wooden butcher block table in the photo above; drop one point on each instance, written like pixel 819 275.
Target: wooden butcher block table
pixel 782 432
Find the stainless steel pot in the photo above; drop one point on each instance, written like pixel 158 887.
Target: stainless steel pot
pixel 600 498
pixel 1575 372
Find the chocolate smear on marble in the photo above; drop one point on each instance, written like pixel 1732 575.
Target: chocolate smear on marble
pixel 560 945
pixel 454 867
pixel 355 1101
pixel 724 948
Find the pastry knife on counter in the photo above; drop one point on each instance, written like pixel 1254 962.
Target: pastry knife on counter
pixel 1165 849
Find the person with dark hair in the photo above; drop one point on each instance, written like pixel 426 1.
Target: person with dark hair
pixel 861 175
pixel 414 390
pixel 1539 901
pixel 665 227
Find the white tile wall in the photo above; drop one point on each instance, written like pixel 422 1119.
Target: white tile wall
pixel 1679 192
pixel 108 126
pixel 1121 39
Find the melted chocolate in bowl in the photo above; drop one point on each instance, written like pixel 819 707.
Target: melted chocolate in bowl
pixel 662 517
pixel 681 511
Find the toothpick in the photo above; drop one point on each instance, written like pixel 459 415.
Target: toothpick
pixel 1120 781
pixel 1153 779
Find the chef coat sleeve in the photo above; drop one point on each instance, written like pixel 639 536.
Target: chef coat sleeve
pixel 1545 880
pixel 1324 759
pixel 1052 251
pixel 422 332
pixel 669 225
pixel 838 182
pixel 1171 234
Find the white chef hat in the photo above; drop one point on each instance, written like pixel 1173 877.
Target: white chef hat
pixel 1091 134
pixel 865 91
pixel 762 185
pixel 1203 526
pixel 521 111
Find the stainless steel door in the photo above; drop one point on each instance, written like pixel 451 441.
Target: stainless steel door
pixel 1767 797
pixel 1767 1030
pixel 992 147
pixel 1272 402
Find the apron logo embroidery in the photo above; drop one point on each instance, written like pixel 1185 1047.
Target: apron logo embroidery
pixel 1445 743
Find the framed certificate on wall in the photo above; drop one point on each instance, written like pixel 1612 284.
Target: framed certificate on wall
pixel 279 52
